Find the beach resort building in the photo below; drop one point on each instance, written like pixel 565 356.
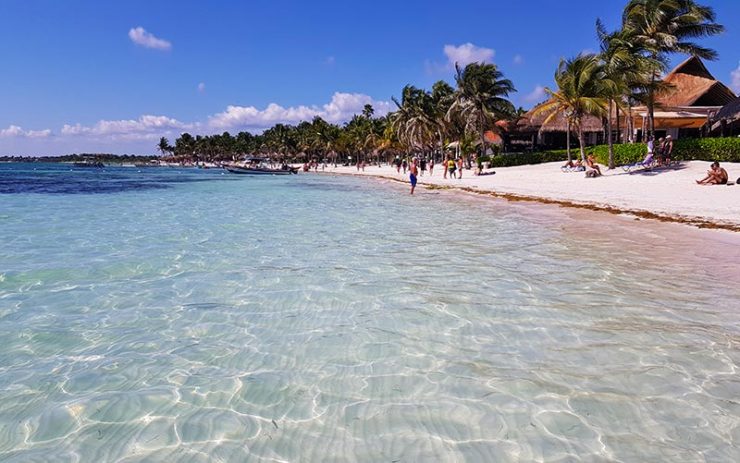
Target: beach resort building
pixel 693 100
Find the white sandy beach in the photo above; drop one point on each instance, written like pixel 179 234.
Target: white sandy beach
pixel 667 193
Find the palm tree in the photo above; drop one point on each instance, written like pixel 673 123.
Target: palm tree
pixel 442 99
pixel 480 98
pixel 164 146
pixel 414 122
pixel 580 93
pixel 662 27
pixel 621 66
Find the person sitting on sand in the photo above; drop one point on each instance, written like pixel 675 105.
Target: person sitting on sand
pixel 716 175
pixel 591 163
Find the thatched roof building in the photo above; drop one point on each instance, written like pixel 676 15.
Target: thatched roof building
pixel 681 111
pixel 693 85
pixel 694 94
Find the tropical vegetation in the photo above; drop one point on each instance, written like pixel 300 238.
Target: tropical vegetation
pixel 624 74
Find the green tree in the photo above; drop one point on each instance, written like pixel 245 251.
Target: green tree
pixel 164 146
pixel 580 93
pixel 663 27
pixel 481 98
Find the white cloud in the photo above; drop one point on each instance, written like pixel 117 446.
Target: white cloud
pixel 140 36
pixel 38 133
pixel 467 53
pixel 144 128
pixel 536 95
pixel 736 79
pixel 14 131
pixel 341 108
pixel 518 59
pixel 202 87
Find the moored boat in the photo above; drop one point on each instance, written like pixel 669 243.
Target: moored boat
pixel 97 164
pixel 257 166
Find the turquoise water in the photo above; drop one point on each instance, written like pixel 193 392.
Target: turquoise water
pixel 185 315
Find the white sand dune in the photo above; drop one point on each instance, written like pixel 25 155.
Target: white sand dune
pixel 670 194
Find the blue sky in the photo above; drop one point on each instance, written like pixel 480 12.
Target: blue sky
pixel 94 76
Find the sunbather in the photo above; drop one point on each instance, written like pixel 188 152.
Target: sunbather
pixel 591 163
pixel 571 166
pixel 716 175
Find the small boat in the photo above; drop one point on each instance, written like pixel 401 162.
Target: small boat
pixel 96 164
pixel 256 166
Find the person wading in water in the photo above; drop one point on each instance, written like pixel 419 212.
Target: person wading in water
pixel 413 172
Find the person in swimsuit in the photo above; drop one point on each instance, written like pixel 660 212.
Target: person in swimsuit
pixel 459 167
pixel 431 167
pixel 451 167
pixel 591 163
pixel 413 171
pixel 715 176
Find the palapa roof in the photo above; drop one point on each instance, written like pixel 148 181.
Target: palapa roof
pixel 531 122
pixel 693 85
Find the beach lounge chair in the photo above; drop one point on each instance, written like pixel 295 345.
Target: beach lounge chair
pixel 647 163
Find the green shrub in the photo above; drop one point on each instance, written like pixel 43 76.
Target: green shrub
pixel 520 159
pixel 687 149
pixel 623 154
pixel 707 149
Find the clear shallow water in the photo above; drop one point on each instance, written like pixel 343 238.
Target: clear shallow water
pixel 207 317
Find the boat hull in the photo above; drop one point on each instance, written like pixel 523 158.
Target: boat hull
pixel 259 171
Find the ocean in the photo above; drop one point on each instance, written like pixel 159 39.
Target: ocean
pixel 160 314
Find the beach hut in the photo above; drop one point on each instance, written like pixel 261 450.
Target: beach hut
pixel 530 131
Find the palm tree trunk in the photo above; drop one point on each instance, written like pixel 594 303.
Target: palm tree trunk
pixel 567 142
pixel 582 142
pixel 630 123
pixel 651 103
pixel 619 128
pixel 482 136
pixel 609 136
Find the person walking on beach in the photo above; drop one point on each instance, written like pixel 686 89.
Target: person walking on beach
pixel 405 165
pixel 431 167
pixel 398 165
pixel 423 165
pixel 413 172
pixel 451 167
pixel 446 166
pixel 459 167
